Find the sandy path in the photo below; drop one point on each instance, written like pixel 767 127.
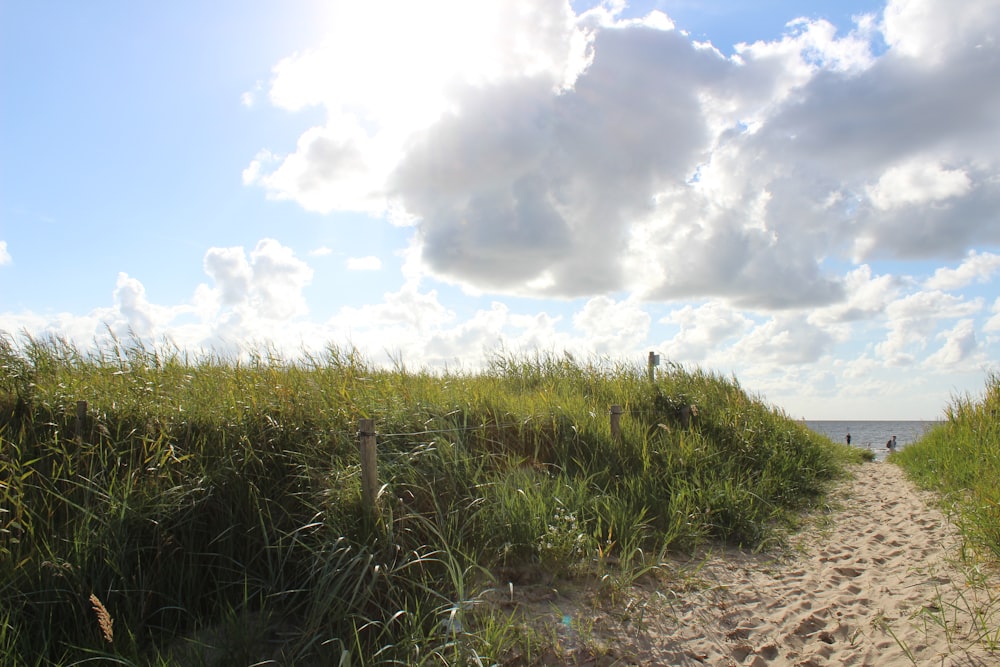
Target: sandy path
pixel 880 564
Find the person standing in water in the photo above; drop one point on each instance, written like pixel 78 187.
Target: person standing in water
pixel 848 437
pixel 891 445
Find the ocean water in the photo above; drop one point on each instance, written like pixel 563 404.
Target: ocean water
pixel 873 434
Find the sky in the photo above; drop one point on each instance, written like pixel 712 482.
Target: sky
pixel 799 194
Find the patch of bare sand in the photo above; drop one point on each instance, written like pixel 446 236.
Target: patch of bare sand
pixel 875 582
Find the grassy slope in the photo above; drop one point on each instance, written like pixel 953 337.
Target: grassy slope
pixel 960 459
pixel 211 498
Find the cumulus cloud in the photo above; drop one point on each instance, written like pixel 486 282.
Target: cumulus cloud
pixel 130 314
pixel 408 311
pixel 612 327
pixel 977 267
pixel 493 330
pixel 913 319
pixel 5 257
pixel 268 284
pixel 918 182
pixel 463 345
pixel 231 272
pixel 783 340
pixel 381 80
pixel 703 330
pixel 993 324
pixel 959 346
pixel 867 296
pixel 930 33
pixel 130 298
pixel 584 155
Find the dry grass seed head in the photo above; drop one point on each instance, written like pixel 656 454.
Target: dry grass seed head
pixel 103 618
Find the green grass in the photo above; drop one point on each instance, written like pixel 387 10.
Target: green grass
pixel 214 506
pixel 960 460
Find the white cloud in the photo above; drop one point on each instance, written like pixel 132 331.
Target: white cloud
pixel 993 324
pixel 130 314
pixel 321 251
pixel 704 330
pixel 929 31
pixel 407 311
pixel 81 329
pixel 278 280
pixel 959 346
pixel 130 298
pixel 861 368
pixel 867 296
pixel 253 173
pixel 811 45
pixel 561 181
pixel 254 300
pixel 231 272
pixel 388 69
pixel 923 308
pixel 914 318
pixel 976 267
pixel 576 156
pixel 464 344
pixel 498 330
pixel 5 257
pixel 782 340
pixel 916 183
pixel 268 285
pixel 335 167
pixel 611 327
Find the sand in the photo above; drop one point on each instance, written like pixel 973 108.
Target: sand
pixel 875 581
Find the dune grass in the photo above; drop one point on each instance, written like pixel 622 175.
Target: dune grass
pixel 210 510
pixel 960 459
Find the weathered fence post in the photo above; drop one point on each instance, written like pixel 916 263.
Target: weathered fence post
pixel 685 416
pixel 81 420
pixel 654 360
pixel 616 423
pixel 369 473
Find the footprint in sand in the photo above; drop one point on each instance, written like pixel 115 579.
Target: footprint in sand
pixel 848 571
pixel 851 597
pixel 808 626
pixel 768 651
pixel 834 557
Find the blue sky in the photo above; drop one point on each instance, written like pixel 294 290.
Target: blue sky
pixel 803 194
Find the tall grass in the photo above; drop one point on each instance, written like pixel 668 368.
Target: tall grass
pixel 213 506
pixel 960 459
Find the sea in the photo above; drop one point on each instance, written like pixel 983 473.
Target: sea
pixel 873 434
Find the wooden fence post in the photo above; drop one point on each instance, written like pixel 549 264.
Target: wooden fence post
pixel 616 425
pixel 369 473
pixel 81 420
pixel 652 362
